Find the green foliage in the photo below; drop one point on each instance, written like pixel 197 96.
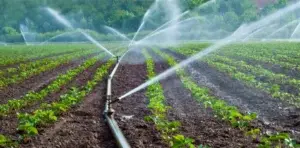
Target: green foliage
pixel 7 142
pixel 49 113
pixel 278 140
pixel 9 31
pixel 30 98
pixel 169 129
pixel 220 107
pixel 240 70
pixel 124 15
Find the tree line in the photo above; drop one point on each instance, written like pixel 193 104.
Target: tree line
pixel 124 15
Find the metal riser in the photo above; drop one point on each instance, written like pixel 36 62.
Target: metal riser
pixel 109 113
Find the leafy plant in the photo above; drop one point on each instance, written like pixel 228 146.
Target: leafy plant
pixel 169 129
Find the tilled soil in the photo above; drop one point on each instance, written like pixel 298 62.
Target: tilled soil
pixel 197 122
pixel 83 127
pixel 293 73
pixel 273 113
pixel 130 111
pixel 38 82
pixel 9 124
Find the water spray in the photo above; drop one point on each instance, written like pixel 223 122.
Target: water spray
pixel 295 31
pixel 282 28
pixel 65 22
pixel 242 32
pixel 117 32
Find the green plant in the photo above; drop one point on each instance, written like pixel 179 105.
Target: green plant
pixel 48 113
pixel 6 142
pixel 169 129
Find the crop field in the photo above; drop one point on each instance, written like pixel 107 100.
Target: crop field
pixel 242 95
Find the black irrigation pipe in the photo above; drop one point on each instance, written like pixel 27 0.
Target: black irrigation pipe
pixel 109 112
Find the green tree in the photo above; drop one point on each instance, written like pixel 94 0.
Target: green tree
pixel 9 31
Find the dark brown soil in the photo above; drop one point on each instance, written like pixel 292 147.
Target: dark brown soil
pixel 83 127
pixel 197 122
pixel 78 82
pixel 273 113
pixel 140 134
pixel 38 82
pixel 276 69
pixel 9 124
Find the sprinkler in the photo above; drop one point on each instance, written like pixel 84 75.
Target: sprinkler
pixel 109 112
pixel 118 58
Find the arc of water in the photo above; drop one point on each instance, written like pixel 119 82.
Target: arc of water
pixel 282 28
pixel 140 28
pixel 23 33
pixel 60 18
pixel 295 31
pixel 117 32
pixel 95 42
pixel 76 31
pixel 257 31
pixel 166 29
pixel 182 15
pixel 173 69
pixel 169 22
pixel 240 32
pixel 65 22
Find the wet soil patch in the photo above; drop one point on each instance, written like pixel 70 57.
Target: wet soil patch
pixel 130 112
pixel 197 122
pixel 38 82
pixel 272 113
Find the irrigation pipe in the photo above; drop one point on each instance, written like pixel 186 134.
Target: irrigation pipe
pixel 109 113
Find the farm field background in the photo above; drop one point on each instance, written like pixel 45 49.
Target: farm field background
pixel 244 94
pixel 155 73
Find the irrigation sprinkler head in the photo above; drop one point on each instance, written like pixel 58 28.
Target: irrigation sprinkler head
pixel 109 111
pixel 118 58
pixel 115 101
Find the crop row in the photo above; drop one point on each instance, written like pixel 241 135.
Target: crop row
pixel 285 55
pixel 48 113
pixel 227 112
pixel 30 65
pixel 247 74
pixel 258 71
pixel 14 54
pixel 30 98
pixel 247 55
pixel 16 78
pixel 287 52
pixel 203 95
pixel 168 129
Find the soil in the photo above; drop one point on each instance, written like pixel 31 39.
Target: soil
pixel 9 124
pixel 83 127
pixel 274 114
pixel 197 122
pixel 130 111
pixel 38 82
pixel 294 73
